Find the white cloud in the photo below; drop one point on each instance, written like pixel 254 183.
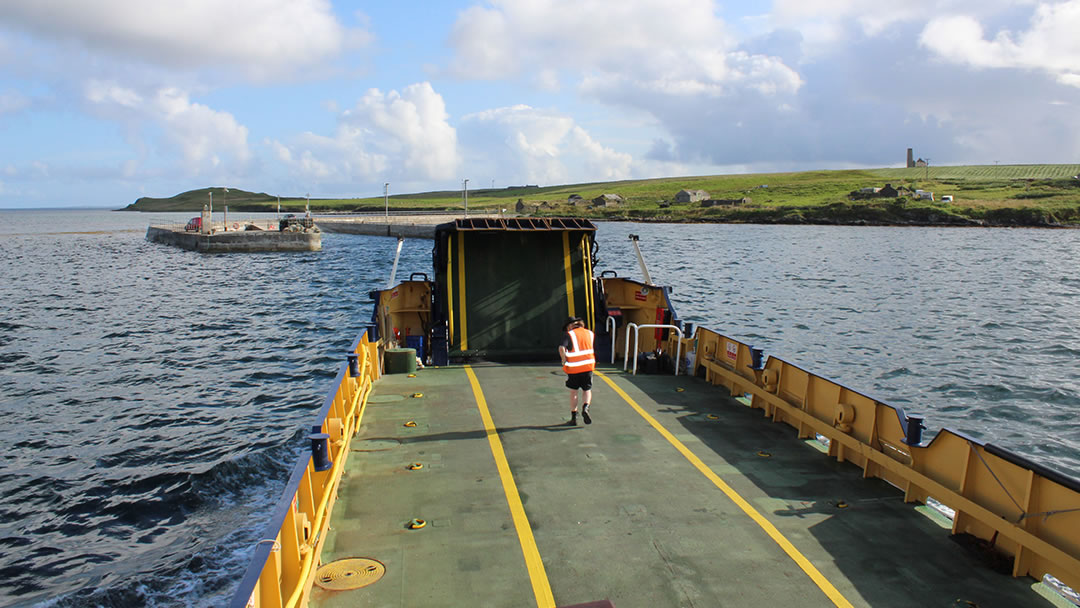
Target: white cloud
pixel 1050 44
pixel 261 37
pixel 521 144
pixel 280 150
pixel 828 27
pixel 206 138
pixel 871 15
pixel 110 93
pixel 678 45
pixel 385 136
pixel 672 60
pixel 416 124
pixel 548 80
pixel 204 135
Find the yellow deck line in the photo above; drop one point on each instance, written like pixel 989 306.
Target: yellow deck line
pixel 537 574
pixel 819 579
pixel 569 274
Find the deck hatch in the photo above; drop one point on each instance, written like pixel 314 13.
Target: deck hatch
pixel 350 573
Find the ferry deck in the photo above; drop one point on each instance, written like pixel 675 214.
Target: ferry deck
pixel 746 481
pixel 674 496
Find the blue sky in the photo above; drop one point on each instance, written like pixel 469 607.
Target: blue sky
pixel 106 101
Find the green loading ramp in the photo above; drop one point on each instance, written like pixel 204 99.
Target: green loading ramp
pixel 504 286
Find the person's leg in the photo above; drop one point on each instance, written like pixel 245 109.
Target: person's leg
pixel 586 398
pixel 585 406
pixel 573 407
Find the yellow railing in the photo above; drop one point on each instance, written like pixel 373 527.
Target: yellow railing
pixel 1016 507
pixel 283 568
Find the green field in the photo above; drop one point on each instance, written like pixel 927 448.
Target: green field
pixel 982 172
pixel 1040 195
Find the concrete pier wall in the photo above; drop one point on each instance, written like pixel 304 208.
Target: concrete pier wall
pixel 409 231
pixel 245 241
pixel 410 226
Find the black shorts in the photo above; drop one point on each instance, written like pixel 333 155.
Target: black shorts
pixel 582 381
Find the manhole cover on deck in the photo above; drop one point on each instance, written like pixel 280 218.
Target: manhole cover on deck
pixel 351 573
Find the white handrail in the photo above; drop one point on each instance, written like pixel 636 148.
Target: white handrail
pixel 614 330
pixel 637 334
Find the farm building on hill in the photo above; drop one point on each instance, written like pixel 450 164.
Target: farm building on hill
pixel 605 200
pixel 691 196
pixel 886 191
pixel 574 199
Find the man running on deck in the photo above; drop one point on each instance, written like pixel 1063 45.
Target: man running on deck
pixel 578 361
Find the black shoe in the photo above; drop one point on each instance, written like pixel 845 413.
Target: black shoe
pixel 573 419
pixel 585 415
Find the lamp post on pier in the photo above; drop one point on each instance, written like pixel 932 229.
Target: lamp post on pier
pixel 465 191
pixel 386 198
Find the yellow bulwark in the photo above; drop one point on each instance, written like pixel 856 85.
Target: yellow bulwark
pixel 283 568
pixel 1021 509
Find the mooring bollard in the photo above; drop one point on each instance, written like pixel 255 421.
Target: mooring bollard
pixel 757 355
pixel 320 451
pixel 354 364
pixel 914 430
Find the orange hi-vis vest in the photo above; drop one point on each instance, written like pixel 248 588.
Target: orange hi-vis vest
pixel 580 357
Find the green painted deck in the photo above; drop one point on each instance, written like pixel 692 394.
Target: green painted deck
pixel 618 512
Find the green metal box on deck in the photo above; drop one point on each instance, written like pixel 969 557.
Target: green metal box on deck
pixel 478 313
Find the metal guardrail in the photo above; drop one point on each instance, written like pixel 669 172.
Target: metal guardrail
pixel 612 326
pixel 635 327
pixel 283 568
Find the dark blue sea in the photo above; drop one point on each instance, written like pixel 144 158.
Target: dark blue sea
pixel 153 399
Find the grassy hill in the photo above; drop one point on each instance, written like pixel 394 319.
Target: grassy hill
pixel 987 195
pixel 193 200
